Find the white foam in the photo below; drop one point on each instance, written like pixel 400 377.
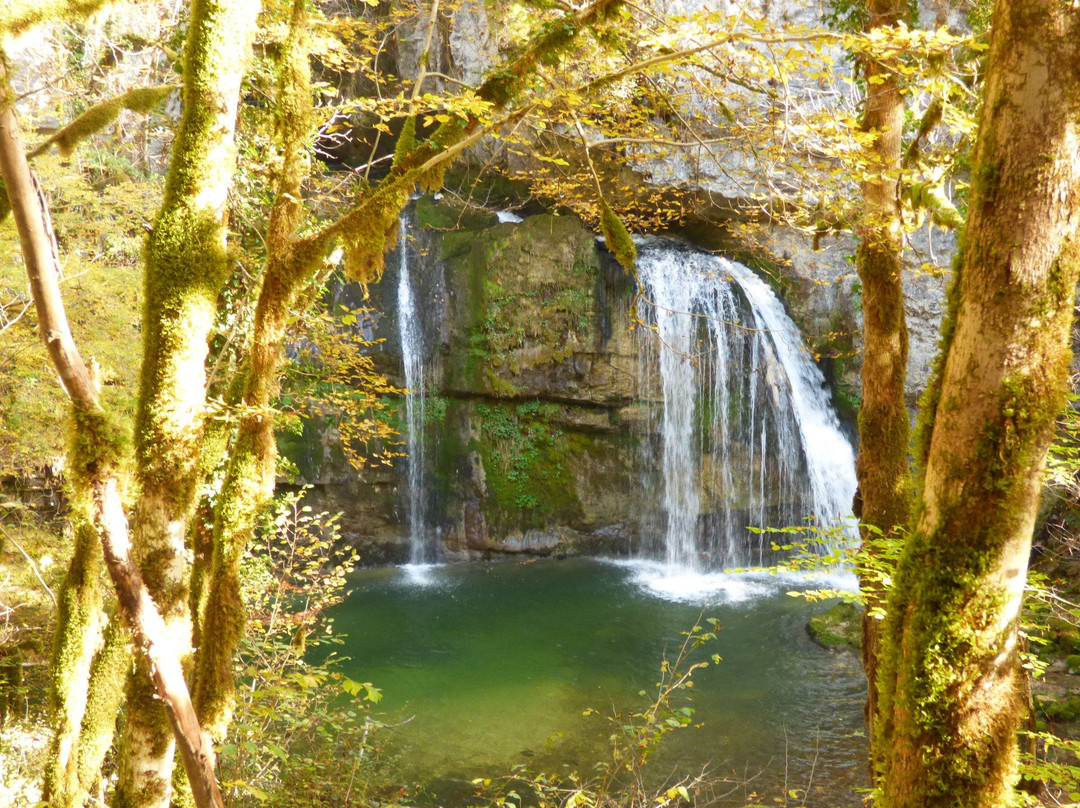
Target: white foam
pixel 421 574
pixel 684 585
pixel 508 216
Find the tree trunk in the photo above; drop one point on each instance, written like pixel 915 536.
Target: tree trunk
pixel 950 693
pixel 106 693
pixel 186 266
pixel 249 477
pixel 882 464
pixel 78 633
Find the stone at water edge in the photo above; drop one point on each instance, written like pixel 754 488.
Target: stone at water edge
pixel 838 628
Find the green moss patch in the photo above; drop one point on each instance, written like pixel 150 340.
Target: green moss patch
pixel 1064 710
pixel 839 627
pixel 525 463
pixel 526 303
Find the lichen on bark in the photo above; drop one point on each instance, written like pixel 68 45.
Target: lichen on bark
pixel 883 498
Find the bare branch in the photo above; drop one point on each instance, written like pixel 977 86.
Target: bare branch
pixel 33 566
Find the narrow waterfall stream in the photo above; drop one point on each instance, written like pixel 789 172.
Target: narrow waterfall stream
pixel 748 435
pixel 422 549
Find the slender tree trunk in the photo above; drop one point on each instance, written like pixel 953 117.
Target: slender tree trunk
pixel 78 634
pixel 950 693
pixel 105 695
pixel 90 666
pixel 249 477
pixel 882 463
pixel 166 673
pixel 186 266
pixel 80 618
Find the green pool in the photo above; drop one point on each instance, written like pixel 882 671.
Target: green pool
pixel 484 666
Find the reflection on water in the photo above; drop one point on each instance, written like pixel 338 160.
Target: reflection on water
pixel 494 665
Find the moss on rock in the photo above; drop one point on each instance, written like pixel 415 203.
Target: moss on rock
pixel 437 215
pixel 839 627
pixel 525 467
pixel 1065 710
pixel 526 311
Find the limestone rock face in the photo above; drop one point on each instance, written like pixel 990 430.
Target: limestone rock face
pixel 119 47
pixel 533 313
pixel 530 371
pixel 472 45
pixel 819 287
pixel 823 295
pixel 462 44
pixel 543 401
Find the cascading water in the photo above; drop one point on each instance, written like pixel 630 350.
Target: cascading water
pixel 410 330
pixel 748 435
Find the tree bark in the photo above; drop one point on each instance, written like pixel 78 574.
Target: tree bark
pixel 950 693
pixel 882 463
pixel 156 643
pixel 186 267
pixel 78 633
pixel 106 692
pixel 249 476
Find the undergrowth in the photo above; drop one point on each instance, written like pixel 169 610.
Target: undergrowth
pixel 301 727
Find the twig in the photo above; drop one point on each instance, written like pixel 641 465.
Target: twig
pixel 33 566
pixel 425 54
pixel 813 768
pixel 8 324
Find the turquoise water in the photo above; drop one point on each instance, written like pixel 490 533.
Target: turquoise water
pixel 484 666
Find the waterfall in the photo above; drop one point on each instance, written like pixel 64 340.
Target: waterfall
pixel 410 331
pixel 747 434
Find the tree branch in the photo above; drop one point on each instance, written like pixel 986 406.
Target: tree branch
pixel 21 15
pixel 39 254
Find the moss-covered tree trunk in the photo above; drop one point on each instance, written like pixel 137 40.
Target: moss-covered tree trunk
pixel 79 624
pixel 186 267
pixel 78 725
pixel 367 231
pixel 90 663
pixel 949 685
pixel 249 476
pixel 882 464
